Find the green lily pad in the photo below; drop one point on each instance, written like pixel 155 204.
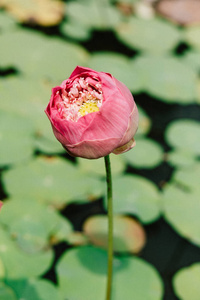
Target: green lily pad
pixel 32 228
pixel 97 166
pixel 6 293
pixel 33 96
pixel 34 289
pixel 180 158
pixel 181 210
pixel 186 282
pixel 88 266
pixel 192 58
pixel 16 141
pixel 146 154
pixel 6 22
pixel 63 231
pixel 119 66
pixel 167 78
pixel 75 30
pixel 152 35
pixel 136 195
pixel 188 178
pixel 192 36
pixel 19 264
pixel 93 14
pixel 129 235
pixel 2 269
pixel 184 134
pixel 53 180
pixel 42 56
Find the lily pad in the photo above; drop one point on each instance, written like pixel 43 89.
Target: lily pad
pixel 167 78
pixel 34 289
pixel 6 22
pixel 19 264
pixel 97 166
pixel 32 228
pixel 119 66
pixel 6 293
pixel 184 133
pixel 93 14
pixel 192 36
pixel 188 178
pixel 186 282
pixel 192 58
pixel 2 269
pixel 33 96
pixel 88 266
pixel 42 56
pixel 52 180
pixel 136 195
pixel 146 154
pixel 157 35
pixel 181 210
pixel 76 30
pixel 16 141
pixel 129 235
pixel 44 13
pixel 181 158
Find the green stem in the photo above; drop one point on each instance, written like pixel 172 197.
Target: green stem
pixel 110 227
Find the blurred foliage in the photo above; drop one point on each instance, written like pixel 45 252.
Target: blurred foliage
pixel 157 55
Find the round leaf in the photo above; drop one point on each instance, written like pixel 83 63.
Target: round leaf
pixel 88 267
pixel 146 154
pixel 6 292
pixel 16 141
pixel 6 22
pixel 19 264
pixel 192 36
pixel 97 166
pixel 188 178
pixel 167 78
pixel 119 66
pixel 186 282
pixel 33 224
pixel 42 56
pixel 75 30
pixel 152 35
pixel 93 14
pixel 180 158
pixel 34 289
pixel 53 180
pixel 31 107
pixel 129 236
pixel 44 13
pixel 184 133
pixel 136 195
pixel 181 210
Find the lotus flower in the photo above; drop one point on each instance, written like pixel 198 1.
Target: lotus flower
pixel 93 114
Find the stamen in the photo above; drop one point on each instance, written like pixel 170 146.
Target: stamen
pixel 88 108
pixel 84 97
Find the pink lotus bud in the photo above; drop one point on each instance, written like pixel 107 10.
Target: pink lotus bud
pixel 1 204
pixel 100 116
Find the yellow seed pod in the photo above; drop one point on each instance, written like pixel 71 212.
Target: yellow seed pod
pixel 88 107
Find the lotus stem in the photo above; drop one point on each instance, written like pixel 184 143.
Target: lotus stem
pixel 110 227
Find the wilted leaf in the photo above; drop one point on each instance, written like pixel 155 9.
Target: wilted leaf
pixel 128 236
pixel 44 13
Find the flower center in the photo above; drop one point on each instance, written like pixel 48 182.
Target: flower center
pixel 88 108
pixel 83 97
